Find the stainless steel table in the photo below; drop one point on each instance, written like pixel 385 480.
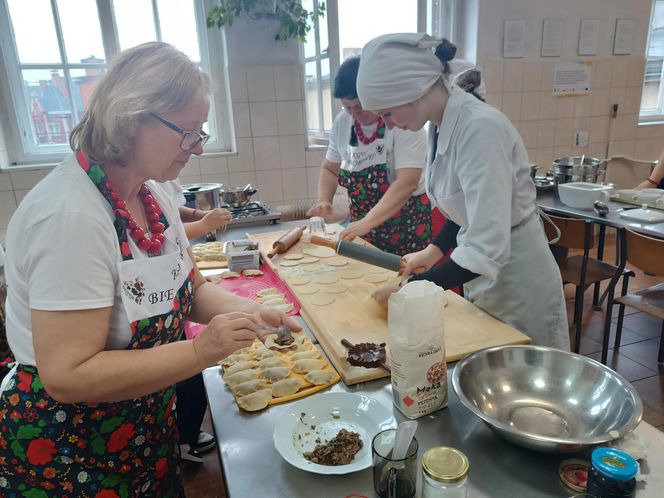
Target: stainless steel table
pixel 253 468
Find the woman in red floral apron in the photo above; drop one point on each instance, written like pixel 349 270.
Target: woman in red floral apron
pixel 101 281
pixel 382 172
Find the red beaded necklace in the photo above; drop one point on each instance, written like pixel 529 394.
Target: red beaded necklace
pixel 362 137
pixel 152 211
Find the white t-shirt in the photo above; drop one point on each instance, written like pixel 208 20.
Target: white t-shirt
pixel 480 179
pixel 62 254
pixel 175 190
pixel 405 149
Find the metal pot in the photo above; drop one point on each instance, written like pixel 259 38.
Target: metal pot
pixel 533 170
pixel 238 196
pixel 202 196
pixel 578 169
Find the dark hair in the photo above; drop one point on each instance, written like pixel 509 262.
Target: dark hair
pixel 446 52
pixel 470 81
pixel 345 86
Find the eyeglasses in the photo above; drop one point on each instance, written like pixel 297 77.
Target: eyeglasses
pixel 190 139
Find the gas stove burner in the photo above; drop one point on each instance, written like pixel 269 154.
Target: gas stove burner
pixel 253 213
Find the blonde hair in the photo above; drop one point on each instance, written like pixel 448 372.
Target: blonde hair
pixel 151 77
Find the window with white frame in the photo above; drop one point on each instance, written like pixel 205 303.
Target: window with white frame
pixel 347 26
pixel 59 51
pixel 652 98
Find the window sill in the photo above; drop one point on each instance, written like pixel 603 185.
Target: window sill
pixel 651 120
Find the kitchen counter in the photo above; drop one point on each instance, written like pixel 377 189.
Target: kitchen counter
pixel 253 468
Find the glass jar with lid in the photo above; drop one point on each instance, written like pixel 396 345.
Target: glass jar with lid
pixel 612 474
pixel 444 473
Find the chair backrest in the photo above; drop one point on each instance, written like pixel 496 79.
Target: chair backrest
pixel 646 253
pixel 573 232
pixel 625 172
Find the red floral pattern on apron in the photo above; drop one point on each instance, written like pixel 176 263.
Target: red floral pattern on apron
pixel 408 230
pixel 102 450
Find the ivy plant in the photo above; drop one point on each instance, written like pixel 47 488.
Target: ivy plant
pixel 294 20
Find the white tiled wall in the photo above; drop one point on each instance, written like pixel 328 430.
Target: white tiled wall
pixel 522 89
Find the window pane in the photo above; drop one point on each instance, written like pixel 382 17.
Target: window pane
pixel 311 89
pixel 83 82
pixel 48 103
pixel 322 34
pixel 359 22
pixel 178 26
pixel 135 22
pixel 310 44
pixel 81 31
pixel 33 47
pixel 326 86
pixel 656 41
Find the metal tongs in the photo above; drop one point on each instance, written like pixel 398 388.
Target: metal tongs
pixel 284 335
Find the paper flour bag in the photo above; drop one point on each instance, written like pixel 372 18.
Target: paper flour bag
pixel 417 347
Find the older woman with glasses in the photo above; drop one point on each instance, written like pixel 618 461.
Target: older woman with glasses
pixel 101 280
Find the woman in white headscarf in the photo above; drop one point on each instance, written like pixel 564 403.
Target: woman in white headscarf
pixel 478 175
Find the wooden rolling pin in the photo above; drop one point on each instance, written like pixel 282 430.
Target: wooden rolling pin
pixel 286 241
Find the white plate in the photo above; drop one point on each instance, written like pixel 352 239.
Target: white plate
pixel 643 215
pixel 323 416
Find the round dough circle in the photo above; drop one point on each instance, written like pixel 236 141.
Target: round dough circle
pixel 306 290
pixel 294 256
pixel 308 260
pixel 322 300
pixel 311 268
pixel 351 274
pixel 376 279
pixel 337 261
pixel 335 288
pixel 376 269
pixel 287 262
pixel 299 280
pixel 326 279
pixel 319 251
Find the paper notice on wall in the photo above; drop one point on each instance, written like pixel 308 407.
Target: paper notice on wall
pixel 572 78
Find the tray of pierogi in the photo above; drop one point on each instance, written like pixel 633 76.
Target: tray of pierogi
pixel 267 374
pixel 209 255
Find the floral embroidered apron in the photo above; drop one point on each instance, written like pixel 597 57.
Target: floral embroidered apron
pixel 365 174
pixel 104 450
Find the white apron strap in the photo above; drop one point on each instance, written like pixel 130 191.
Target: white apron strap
pixel 8 377
pixel 539 211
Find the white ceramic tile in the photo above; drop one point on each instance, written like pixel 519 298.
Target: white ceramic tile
pixel 642 149
pixel 290 116
pixel 260 84
pixel 242 178
pixel 266 153
pixel 512 105
pixel 288 82
pixel 632 102
pixel 629 126
pixel 237 77
pixel 193 167
pixel 5 182
pixel 546 133
pixel 583 106
pixel 4 157
pixel 597 149
pixel 548 106
pixel 244 161
pixel 602 72
pixel 564 132
pixel 241 119
pixel 22 180
pixel 492 74
pixel 315 156
pixel 637 69
pixel 495 99
pixel 620 71
pixel 7 206
pixel 295 184
pixel 532 76
pixel 19 195
pixel 617 96
pixel 546 69
pixel 513 76
pixel 270 185
pixel 213 165
pixel 528 132
pixel 530 102
pixel 189 179
pixel 544 158
pixel 313 174
pixel 222 178
pixel 599 129
pixel 291 151
pixel 565 107
pixel 601 102
pixel 263 119
pixel 623 148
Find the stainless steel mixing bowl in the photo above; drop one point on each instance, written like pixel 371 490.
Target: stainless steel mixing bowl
pixel 546 399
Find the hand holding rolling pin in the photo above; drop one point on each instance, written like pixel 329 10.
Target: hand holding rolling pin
pixel 417 262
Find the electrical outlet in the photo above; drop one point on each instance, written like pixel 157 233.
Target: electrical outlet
pixel 581 138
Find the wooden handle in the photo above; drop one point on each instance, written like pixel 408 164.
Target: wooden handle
pixel 321 241
pixel 286 241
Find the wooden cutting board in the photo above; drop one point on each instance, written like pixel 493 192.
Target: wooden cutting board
pixel 355 316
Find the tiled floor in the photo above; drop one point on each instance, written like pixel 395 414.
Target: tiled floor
pixel 636 360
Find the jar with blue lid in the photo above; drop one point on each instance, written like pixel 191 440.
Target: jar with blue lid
pixel 612 474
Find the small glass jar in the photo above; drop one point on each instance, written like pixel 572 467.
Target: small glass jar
pixel 612 474
pixel 444 473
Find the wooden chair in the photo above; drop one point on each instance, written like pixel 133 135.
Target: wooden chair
pixel 581 270
pixel 625 172
pixel 646 254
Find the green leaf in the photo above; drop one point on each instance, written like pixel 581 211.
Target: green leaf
pixel 37 384
pixel 18 450
pixel 111 480
pixel 28 432
pixel 111 424
pixel 143 323
pixel 95 173
pixel 34 493
pixel 99 445
pixel 124 490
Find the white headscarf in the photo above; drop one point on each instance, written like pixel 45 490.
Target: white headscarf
pixel 397 69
